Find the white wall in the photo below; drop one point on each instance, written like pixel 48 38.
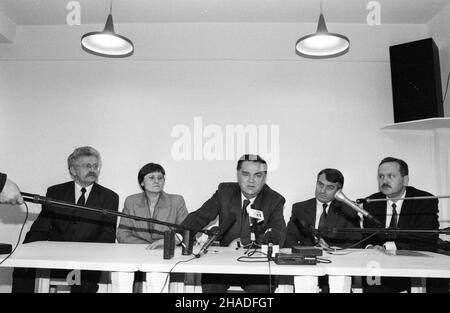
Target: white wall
pixel 438 28
pixel 54 97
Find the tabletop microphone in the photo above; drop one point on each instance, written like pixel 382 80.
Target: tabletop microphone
pixel 341 197
pixel 271 242
pixel 216 233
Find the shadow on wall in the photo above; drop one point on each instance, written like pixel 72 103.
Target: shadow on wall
pixel 13 214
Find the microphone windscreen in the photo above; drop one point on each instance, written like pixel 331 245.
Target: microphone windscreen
pixel 272 236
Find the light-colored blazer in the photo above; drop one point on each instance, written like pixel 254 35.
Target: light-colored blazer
pixel 169 208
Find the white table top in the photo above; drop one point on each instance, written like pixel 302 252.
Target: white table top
pixel 357 262
pixel 134 257
pixel 223 260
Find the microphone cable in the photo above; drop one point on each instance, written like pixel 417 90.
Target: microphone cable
pixel 20 235
pixel 333 251
pixel 256 259
pixel 170 271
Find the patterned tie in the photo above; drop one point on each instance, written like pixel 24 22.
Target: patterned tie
pixel 323 216
pixel 82 199
pixel 394 218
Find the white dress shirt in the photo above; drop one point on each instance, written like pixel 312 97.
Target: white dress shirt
pixel 398 208
pixel 319 210
pixel 78 192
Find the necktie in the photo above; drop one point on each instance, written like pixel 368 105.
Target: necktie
pixel 244 210
pixel 245 229
pixel 323 216
pixel 394 218
pixel 82 199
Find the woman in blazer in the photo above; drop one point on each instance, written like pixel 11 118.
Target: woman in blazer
pixel 154 203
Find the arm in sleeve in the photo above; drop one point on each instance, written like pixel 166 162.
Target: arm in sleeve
pixel 2 181
pixel 203 216
pixel 425 217
pixel 182 211
pixel 127 230
pixel 292 232
pixel 42 226
pixel 107 232
pixel 276 220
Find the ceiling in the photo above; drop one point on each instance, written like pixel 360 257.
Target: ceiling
pixel 54 12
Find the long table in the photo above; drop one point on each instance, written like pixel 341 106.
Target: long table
pixel 122 260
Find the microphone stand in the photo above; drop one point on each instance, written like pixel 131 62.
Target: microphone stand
pixel 368 200
pixel 169 235
pixel 386 231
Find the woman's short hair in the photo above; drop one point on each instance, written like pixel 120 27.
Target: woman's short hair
pixel 149 168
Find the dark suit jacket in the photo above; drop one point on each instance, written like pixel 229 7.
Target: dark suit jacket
pixel 304 216
pixel 226 203
pixel 2 181
pixel 59 224
pixel 415 214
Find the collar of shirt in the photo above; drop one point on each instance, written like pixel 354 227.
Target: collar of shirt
pixel 319 210
pixel 244 198
pixel 398 208
pixel 78 192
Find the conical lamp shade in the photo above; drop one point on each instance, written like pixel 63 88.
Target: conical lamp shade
pixel 107 43
pixel 322 44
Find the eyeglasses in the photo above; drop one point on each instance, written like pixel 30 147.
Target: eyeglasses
pixel 88 166
pixel 156 178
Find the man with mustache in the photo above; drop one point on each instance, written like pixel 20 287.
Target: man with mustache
pixel 393 178
pixel 233 203
pixel 59 224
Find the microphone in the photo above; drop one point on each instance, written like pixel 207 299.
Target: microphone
pixel 270 242
pixel 216 232
pixel 255 216
pixel 307 230
pixel 341 197
pixel 271 236
pixel 29 197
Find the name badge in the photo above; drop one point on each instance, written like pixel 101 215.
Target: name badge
pixel 256 214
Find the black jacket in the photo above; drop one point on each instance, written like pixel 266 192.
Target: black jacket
pixel 300 228
pixel 414 214
pixel 226 203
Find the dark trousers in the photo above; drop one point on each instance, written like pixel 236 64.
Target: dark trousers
pixel 23 280
pixel 219 283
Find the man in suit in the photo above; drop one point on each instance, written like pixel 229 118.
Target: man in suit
pixel 58 224
pixel 9 192
pixel 393 178
pixel 310 218
pixel 320 213
pixel 233 204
